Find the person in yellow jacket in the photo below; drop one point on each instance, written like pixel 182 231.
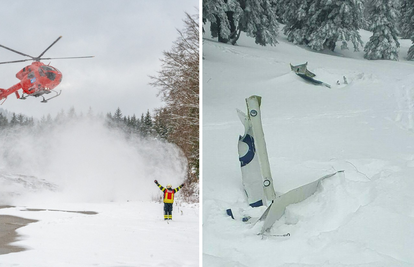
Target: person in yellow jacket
pixel 168 199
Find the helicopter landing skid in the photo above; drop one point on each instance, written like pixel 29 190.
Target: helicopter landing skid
pixel 57 94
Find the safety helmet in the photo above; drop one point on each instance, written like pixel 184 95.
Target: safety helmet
pixel 169 185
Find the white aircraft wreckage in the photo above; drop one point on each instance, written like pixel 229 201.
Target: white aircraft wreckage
pixel 256 175
pixel 302 71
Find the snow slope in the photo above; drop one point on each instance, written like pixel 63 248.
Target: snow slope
pixel 365 127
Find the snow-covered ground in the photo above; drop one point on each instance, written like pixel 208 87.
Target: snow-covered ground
pixel 120 234
pixel 365 127
pixel 92 191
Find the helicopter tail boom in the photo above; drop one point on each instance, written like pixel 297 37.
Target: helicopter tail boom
pixel 4 93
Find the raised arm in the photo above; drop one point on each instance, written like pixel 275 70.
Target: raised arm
pixel 160 186
pixel 178 188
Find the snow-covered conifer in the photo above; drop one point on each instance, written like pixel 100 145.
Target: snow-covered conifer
pixel 259 21
pixel 410 54
pixel 407 24
pixel 231 17
pixel 321 23
pixel 407 19
pixel 223 15
pixel 366 17
pixel 295 17
pixel 161 122
pixel 147 123
pixel 383 43
pixel 3 121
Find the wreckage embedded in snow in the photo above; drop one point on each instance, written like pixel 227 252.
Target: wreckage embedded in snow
pixel 303 72
pixel 256 175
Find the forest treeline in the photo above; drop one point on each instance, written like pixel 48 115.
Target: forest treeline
pixel 318 24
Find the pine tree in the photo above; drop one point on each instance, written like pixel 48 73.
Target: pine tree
pixel 160 126
pixel 29 122
pixel 133 124
pixel 14 121
pixel 138 126
pixel 4 122
pixel 383 43
pixel 296 19
pixel 410 54
pixel 117 120
pixel 72 113
pixel 117 115
pixel 320 24
pixel 407 24
pixel 366 23
pixel 280 10
pixel 406 20
pixel 20 119
pixel 257 18
pixel 141 128
pixel 223 15
pixel 147 125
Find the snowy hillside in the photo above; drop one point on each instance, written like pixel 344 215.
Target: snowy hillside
pixel 365 127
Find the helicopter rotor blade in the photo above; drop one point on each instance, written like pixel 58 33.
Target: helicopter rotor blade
pixel 20 53
pixel 39 57
pixel 16 61
pixel 49 58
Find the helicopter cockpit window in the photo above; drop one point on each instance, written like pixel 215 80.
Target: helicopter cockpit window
pixel 51 76
pixel 49 72
pixel 31 75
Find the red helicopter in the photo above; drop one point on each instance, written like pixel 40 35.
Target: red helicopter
pixel 36 79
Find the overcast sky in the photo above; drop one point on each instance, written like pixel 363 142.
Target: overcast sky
pixel 127 38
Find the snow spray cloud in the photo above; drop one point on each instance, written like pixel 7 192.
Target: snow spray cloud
pixel 90 162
